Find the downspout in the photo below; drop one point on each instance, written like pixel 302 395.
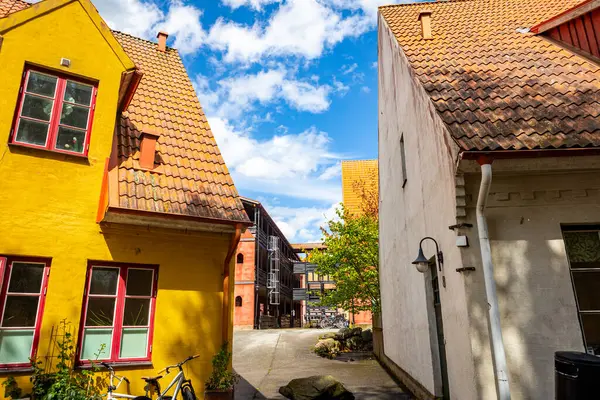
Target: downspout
pixel 226 272
pixel 498 353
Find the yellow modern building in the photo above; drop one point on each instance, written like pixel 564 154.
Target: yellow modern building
pixel 117 212
pixel 359 178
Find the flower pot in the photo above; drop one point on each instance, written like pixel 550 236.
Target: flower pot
pixel 219 394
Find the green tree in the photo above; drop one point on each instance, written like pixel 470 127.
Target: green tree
pixel 351 259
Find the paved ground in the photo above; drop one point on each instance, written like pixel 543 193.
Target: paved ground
pixel 268 359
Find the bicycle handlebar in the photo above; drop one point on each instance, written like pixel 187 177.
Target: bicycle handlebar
pixel 166 369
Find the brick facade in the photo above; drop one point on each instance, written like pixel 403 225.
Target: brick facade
pixel 243 316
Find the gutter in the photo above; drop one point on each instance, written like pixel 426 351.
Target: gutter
pixel 498 352
pixel 226 318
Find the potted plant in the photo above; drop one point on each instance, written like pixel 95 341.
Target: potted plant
pixel 221 382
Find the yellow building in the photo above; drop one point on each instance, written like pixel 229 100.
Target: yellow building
pixel 359 180
pixel 117 212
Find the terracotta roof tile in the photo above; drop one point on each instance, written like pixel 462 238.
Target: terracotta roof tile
pixel 496 88
pixel 11 6
pixel 192 179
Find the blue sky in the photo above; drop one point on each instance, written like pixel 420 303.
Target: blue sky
pixel 289 88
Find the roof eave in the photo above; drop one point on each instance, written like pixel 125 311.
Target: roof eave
pixel 170 220
pixel 527 153
pixel 568 15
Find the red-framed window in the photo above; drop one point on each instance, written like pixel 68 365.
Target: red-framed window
pixel 54 112
pixel 118 313
pixel 23 283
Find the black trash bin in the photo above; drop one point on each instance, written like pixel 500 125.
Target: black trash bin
pixel 577 376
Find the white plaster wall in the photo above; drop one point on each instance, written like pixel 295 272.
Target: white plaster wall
pixel 537 303
pixel 424 207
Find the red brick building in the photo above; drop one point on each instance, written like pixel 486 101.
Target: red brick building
pixel 264 278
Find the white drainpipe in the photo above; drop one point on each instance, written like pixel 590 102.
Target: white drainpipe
pixel 498 353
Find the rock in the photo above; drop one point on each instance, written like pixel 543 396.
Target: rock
pixel 356 332
pixel 355 343
pixel 327 348
pixel 343 334
pixel 320 387
pixel 367 335
pixel 328 335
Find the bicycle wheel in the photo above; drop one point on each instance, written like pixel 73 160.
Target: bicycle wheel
pixel 187 392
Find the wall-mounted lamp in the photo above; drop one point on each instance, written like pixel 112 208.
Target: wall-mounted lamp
pixel 422 263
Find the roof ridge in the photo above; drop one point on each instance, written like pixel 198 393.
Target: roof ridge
pixel 139 38
pixel 421 3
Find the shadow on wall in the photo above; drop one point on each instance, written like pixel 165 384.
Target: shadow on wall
pixel 537 304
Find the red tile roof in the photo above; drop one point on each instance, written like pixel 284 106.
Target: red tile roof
pixel 495 87
pixel 11 6
pixel 192 178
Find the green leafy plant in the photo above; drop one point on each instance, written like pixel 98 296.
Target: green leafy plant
pixel 351 259
pixel 222 378
pixel 66 382
pixel 11 388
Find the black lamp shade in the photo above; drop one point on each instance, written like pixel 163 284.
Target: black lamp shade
pixel 421 258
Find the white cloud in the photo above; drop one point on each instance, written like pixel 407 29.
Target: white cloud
pixel 374 65
pixel 135 17
pixel 145 19
pixel 254 4
pixel 286 164
pixel 236 95
pixel 301 224
pixel 183 22
pixel 331 172
pixel 299 27
pixel 368 7
pixel 348 69
pixel 365 89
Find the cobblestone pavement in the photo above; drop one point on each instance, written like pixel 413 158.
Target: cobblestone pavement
pixel 268 359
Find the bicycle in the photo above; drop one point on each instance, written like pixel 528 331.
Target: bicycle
pixel 179 384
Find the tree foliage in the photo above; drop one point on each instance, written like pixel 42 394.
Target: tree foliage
pixel 351 259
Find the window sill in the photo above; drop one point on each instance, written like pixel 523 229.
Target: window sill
pixel 66 155
pixel 15 370
pixel 118 365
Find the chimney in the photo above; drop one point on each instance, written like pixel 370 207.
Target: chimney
pixel 425 18
pixel 148 149
pixel 162 41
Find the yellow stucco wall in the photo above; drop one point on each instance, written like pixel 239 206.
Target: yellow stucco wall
pixel 48 206
pixel 357 171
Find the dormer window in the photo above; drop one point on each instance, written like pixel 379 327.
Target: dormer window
pixel 54 113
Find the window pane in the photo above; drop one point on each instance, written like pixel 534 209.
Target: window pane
pixel 586 289
pixel 32 132
pixel 70 139
pixel 591 330
pixel 74 116
pixel 134 343
pixel 139 282
pixel 583 249
pixel 20 311
pixel 104 281
pixel 137 312
pixel 41 84
pixel 15 346
pixel 93 339
pixel 78 93
pixel 37 107
pixel 26 278
pixel 100 311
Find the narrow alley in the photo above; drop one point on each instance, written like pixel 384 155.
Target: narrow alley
pixel 268 359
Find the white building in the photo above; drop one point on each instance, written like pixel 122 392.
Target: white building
pixel 493 89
